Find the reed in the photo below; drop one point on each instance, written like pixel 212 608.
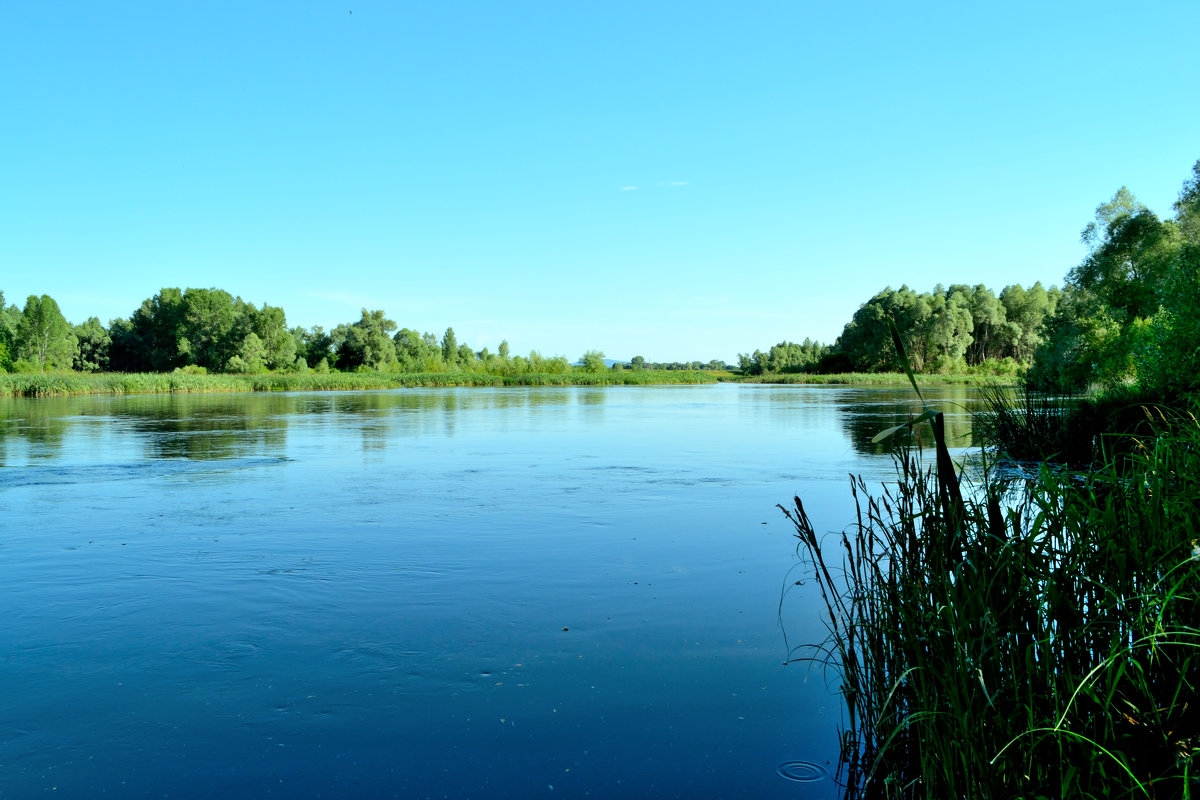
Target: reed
pixel 1033 426
pixel 1001 640
pixel 870 379
pixel 74 383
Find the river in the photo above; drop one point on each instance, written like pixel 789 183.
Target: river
pixel 491 593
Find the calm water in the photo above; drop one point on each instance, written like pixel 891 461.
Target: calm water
pixel 490 593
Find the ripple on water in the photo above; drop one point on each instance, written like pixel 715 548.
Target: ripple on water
pixel 802 771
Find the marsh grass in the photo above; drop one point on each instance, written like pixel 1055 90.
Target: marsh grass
pixel 1032 426
pixel 1017 641
pixel 1047 648
pixel 74 383
pixel 870 379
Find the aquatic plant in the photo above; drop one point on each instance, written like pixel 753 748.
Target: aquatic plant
pixel 1038 640
pixel 75 383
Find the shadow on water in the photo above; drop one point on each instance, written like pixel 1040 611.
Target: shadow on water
pixel 867 412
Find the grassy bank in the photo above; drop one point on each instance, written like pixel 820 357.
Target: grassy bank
pixel 75 383
pixel 1039 639
pixel 876 379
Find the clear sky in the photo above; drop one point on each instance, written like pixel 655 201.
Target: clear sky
pixel 679 180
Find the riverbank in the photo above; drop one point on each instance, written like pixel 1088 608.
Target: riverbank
pixel 876 379
pixel 1027 637
pixel 73 383
pixel 60 384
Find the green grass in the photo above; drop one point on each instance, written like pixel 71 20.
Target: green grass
pixel 871 379
pixel 1039 639
pixel 74 383
pixel 1066 429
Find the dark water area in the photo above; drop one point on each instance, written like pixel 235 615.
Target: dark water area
pixel 488 593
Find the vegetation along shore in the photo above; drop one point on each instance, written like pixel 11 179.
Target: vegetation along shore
pixel 1035 632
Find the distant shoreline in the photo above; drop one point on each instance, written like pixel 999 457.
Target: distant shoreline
pixel 63 384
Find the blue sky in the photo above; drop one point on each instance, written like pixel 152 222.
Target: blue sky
pixel 679 180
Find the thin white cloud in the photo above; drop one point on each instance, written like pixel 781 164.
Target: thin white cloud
pixel 629 188
pixel 674 183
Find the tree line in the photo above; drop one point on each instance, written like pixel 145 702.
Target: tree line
pixel 1128 313
pixel 956 329
pixel 210 330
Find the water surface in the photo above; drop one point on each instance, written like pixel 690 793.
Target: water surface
pixel 422 593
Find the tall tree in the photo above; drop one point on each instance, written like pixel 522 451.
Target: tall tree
pixel 313 345
pixel 987 323
pixel 149 340
pixel 592 361
pixel 366 343
pixel 449 348
pixel 94 344
pixel 9 315
pixel 44 336
pixel 1132 253
pixel 204 334
pixel 1025 313
pixel 269 324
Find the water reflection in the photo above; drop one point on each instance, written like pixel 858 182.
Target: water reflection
pixel 421 578
pixel 867 412
pixel 210 427
pixel 207 427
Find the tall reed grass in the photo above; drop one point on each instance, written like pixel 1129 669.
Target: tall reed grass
pixel 870 379
pixel 74 383
pixel 1046 646
pixel 1018 640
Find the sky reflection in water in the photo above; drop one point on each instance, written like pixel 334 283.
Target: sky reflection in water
pixel 465 593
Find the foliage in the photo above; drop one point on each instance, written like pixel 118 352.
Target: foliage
pixel 871 379
pixel 94 343
pixel 1046 650
pixel 955 329
pixel 192 378
pixel 592 361
pixel 785 357
pixel 1131 308
pixel 43 337
pixel 9 315
pixel 1033 426
pixel 365 343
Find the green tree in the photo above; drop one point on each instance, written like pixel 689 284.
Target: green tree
pixel 204 334
pixel 947 332
pixel 366 343
pixel 269 323
pixel 251 356
pixel 450 348
pixel 1026 312
pixel 1132 254
pixel 94 343
pixel 9 315
pixel 988 320
pixel 149 340
pixel 592 361
pixel 866 340
pixel 1171 357
pixel 44 336
pixel 1124 315
pixel 412 351
pixel 313 345
pixel 466 357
